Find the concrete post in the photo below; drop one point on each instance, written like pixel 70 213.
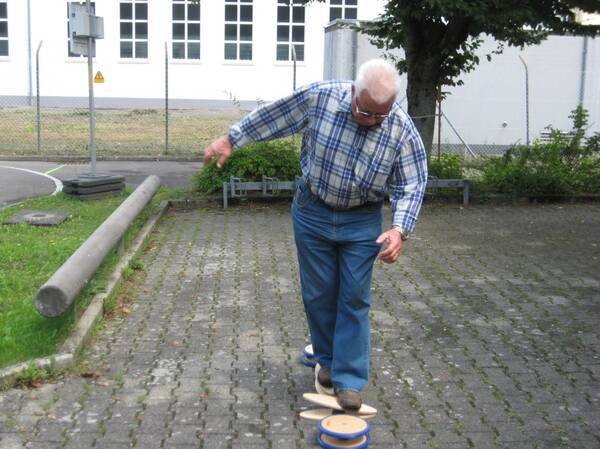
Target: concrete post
pixel 56 295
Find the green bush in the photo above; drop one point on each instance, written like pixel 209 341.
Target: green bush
pixel 446 166
pixel 534 170
pixel 277 159
pixel 570 163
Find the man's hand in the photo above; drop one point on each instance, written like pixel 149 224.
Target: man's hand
pixel 392 251
pixel 221 148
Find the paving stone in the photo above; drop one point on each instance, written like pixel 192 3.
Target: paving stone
pixel 481 340
pixel 216 442
pixel 183 435
pixel 148 441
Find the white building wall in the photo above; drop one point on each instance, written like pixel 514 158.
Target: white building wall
pixel 14 77
pixel 490 108
pixel 210 78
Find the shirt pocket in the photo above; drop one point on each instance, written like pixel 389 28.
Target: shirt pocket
pixel 374 166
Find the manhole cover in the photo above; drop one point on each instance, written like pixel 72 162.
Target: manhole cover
pixel 38 217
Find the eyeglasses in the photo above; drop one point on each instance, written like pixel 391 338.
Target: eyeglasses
pixel 368 114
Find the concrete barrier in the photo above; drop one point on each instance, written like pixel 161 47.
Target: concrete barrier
pixel 56 295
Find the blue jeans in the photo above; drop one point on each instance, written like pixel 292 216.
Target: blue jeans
pixel 336 252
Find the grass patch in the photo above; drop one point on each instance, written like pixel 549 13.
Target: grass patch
pixel 136 132
pixel 29 255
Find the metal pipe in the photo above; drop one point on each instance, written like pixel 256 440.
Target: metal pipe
pixel 458 135
pixel 57 295
pixel 37 97
pixel 526 99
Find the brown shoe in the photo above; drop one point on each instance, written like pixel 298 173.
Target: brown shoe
pixel 324 377
pixel 349 399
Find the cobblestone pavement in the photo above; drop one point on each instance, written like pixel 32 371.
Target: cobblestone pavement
pixel 485 335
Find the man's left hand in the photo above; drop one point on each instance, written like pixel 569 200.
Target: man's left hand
pixel 391 253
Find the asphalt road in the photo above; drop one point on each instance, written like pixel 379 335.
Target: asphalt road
pixel 20 180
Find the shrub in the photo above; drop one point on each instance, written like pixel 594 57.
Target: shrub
pixel 277 159
pixel 447 166
pixel 534 170
pixel 570 163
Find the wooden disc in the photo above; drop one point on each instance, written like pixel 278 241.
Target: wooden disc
pixel 331 402
pixel 328 442
pixel 316 414
pixel 344 427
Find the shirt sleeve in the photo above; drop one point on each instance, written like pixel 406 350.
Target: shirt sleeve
pixel 281 118
pixel 408 182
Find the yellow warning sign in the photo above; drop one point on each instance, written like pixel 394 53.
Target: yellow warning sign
pixel 98 78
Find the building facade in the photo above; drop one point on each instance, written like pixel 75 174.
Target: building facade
pixel 215 49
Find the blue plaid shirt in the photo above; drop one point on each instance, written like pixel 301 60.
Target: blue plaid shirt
pixel 346 164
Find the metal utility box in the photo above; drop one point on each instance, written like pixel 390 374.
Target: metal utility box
pixel 87 25
pixel 82 26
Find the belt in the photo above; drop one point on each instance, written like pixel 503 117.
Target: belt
pixel 367 205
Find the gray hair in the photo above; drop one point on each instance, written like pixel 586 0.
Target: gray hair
pixel 380 78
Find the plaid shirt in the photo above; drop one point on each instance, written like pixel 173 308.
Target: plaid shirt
pixel 346 164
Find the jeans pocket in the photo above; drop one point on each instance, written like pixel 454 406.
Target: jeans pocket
pixel 303 195
pixel 298 197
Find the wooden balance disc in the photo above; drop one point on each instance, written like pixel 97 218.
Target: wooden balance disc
pixel 344 427
pixel 323 400
pixel 317 414
pixel 328 442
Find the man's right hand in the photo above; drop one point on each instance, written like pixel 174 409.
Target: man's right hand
pixel 222 148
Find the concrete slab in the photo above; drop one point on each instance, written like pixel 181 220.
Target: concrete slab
pixel 38 217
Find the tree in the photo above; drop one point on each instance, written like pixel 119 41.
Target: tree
pixel 440 39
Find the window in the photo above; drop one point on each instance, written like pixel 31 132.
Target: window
pixel 186 29
pixel 290 29
pixel 238 30
pixel 342 9
pixel 134 29
pixel 3 29
pixel 69 52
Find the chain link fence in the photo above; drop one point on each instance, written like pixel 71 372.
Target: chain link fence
pixel 42 126
pixel 494 110
pixel 27 130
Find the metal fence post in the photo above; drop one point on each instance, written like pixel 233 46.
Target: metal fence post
pixel 294 59
pixel 37 98
pixel 166 99
pixel 584 52
pixel 439 119
pixel 526 98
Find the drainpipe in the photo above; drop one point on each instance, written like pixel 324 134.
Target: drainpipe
pixel 584 52
pixel 29 64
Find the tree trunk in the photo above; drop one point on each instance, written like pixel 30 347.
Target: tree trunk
pixel 424 65
pixel 421 96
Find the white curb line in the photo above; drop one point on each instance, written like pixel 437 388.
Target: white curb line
pixel 57 182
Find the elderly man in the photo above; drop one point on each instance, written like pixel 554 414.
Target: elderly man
pixel 357 146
